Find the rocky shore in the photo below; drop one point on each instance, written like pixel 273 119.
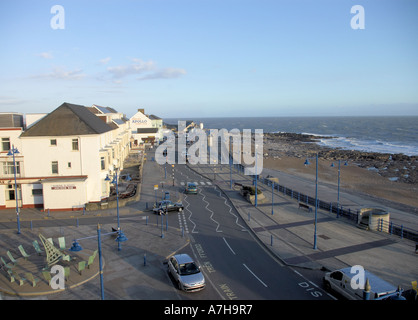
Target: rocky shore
pixel 395 167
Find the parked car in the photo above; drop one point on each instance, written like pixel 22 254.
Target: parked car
pixel 191 188
pixel 340 281
pixel 167 206
pixel 186 273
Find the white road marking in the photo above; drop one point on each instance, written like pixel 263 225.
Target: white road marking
pixel 212 213
pixel 255 275
pixel 226 242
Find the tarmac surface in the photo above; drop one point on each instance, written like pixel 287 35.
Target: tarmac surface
pixel 135 272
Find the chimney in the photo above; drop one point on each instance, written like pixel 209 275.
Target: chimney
pixel 142 110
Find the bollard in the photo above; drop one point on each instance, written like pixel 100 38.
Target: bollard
pixel 271 240
pixel 48 212
pixel 249 216
pixel 145 259
pixel 162 227
pixel 146 220
pixel 146 205
pixel 366 291
pixel 77 223
pixel 84 211
pixel 31 226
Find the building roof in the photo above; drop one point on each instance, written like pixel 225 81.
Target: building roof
pixel 154 117
pixel 11 120
pixel 68 120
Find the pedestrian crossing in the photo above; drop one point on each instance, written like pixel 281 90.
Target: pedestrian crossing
pixel 198 183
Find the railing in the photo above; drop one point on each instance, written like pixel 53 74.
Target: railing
pixel 397 229
pixel 393 229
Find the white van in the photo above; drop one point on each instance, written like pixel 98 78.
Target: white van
pixel 340 281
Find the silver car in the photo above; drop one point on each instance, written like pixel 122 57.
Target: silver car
pixel 186 273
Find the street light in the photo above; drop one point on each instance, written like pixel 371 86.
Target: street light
pixel 12 152
pixel 121 236
pixel 316 194
pixel 338 192
pixel 76 247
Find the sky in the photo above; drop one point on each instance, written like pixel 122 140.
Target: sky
pixel 211 58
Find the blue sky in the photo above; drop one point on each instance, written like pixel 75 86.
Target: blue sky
pixel 211 58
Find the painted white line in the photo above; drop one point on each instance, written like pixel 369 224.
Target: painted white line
pixel 212 213
pixel 255 275
pixel 226 242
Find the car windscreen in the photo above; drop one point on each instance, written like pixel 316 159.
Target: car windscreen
pixel 188 268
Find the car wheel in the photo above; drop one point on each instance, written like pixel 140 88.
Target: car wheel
pixel 179 285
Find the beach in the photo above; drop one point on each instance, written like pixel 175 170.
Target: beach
pixel 391 177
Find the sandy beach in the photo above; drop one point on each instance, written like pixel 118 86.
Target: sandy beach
pixel 391 177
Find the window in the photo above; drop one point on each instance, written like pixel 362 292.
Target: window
pixel 10 192
pixel 54 167
pixel 69 165
pixel 5 144
pixel 75 144
pixel 102 163
pixel 8 168
pixel 53 142
pixel 37 192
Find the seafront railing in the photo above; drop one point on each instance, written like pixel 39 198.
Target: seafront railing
pixel 352 215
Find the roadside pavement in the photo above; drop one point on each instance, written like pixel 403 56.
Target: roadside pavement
pixel 288 232
pixel 136 272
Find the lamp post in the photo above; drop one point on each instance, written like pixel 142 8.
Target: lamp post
pixel 272 196
pixel 76 247
pixel 256 177
pixel 12 152
pixel 338 188
pixel 230 172
pixel 316 195
pixel 121 236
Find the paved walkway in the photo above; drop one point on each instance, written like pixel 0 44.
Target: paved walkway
pixel 125 274
pixel 289 232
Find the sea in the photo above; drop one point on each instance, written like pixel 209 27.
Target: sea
pixel 382 134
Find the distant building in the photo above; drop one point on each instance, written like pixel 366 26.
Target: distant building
pixel 63 158
pixel 145 129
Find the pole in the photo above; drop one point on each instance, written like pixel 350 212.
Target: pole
pixel 230 172
pixel 117 209
pixel 316 199
pixel 16 191
pixel 100 261
pixel 256 176
pixel 338 190
pixel 272 196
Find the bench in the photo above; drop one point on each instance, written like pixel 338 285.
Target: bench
pixel 305 206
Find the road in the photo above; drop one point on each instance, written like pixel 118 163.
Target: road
pixel 235 264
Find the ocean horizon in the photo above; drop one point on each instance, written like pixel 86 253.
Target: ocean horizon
pixel 382 134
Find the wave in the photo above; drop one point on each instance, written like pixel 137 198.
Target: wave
pixel 347 143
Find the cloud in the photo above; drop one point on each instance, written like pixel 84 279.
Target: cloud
pixel 62 74
pixel 105 60
pixel 137 67
pixel 147 70
pixel 46 55
pixel 167 73
pixel 7 100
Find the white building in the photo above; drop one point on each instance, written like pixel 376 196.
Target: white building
pixel 145 129
pixel 64 157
